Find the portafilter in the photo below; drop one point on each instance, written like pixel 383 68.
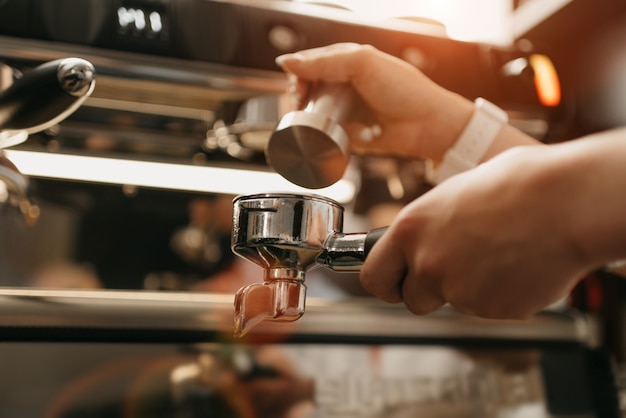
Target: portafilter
pixel 287 234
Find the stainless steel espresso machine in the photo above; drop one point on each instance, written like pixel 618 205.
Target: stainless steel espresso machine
pixel 142 323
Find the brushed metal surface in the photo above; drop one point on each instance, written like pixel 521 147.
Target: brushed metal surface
pixel 187 311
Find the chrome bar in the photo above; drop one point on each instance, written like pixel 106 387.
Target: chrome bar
pixel 354 318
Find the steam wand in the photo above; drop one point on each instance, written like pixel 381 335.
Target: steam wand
pixel 32 103
pixel 46 95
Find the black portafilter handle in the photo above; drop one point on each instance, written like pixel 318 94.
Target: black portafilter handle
pixel 46 95
pixel 372 238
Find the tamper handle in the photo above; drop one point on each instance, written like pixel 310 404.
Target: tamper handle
pixel 331 99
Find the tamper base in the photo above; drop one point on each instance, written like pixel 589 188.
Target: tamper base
pixel 310 150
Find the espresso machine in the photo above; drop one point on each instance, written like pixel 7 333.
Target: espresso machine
pixel 174 76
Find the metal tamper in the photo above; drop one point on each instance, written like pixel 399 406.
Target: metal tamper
pixel 309 147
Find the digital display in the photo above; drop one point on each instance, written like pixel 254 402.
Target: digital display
pixel 143 20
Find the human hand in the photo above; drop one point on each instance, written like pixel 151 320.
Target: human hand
pixel 417 118
pixel 500 241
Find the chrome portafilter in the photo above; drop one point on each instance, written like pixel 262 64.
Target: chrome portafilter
pixel 287 234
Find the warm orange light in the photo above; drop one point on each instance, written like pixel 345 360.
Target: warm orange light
pixel 465 20
pixel 546 80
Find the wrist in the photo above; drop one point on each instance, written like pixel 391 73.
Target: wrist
pixel 470 147
pixel 446 121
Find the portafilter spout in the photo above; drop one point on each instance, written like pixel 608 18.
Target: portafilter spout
pixel 309 147
pixel 287 234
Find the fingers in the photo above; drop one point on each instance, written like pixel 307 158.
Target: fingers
pixel 383 272
pixel 401 267
pixel 385 276
pixel 422 294
pixel 393 129
pixel 389 274
pixel 334 63
pixel 362 65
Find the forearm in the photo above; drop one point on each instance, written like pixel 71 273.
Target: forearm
pixel 596 169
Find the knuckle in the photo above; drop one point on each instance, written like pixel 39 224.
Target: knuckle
pixel 421 290
pixel 423 307
pixel 381 289
pixel 363 52
pixel 462 298
pixel 367 49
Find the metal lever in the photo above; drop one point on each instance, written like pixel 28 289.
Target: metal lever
pixel 46 95
pixel 34 102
